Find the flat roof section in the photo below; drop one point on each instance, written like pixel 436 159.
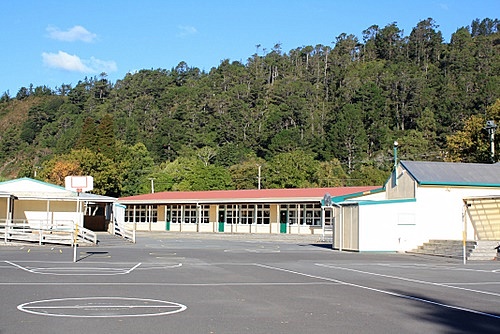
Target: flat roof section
pixel 247 196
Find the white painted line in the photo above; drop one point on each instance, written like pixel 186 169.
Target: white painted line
pixel 409 280
pixel 79 271
pixel 247 250
pixel 459 308
pixel 428 267
pixel 472 283
pixel 93 307
pixel 165 284
pixel 178 265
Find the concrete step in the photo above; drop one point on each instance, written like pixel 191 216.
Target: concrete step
pixel 475 250
pixel 485 251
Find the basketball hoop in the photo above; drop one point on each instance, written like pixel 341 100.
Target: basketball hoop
pixel 79 183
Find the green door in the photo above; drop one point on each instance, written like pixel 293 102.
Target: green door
pixel 282 227
pixel 222 219
pixel 283 221
pixel 168 219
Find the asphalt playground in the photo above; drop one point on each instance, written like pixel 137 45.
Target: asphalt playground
pixel 175 283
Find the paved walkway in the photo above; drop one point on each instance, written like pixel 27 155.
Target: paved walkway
pixel 295 238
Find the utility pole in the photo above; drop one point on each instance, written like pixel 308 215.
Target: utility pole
pixel 152 185
pixel 491 128
pixel 258 178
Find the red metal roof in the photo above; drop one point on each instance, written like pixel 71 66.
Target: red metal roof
pixel 245 195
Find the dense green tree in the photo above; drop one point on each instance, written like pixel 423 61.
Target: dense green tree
pixel 230 154
pixel 368 175
pixel 22 93
pixel 89 137
pixel 106 140
pixel 245 175
pixel 331 174
pixel 134 167
pixel 349 137
pixel 85 163
pixel 472 143
pixel 295 169
pixel 192 174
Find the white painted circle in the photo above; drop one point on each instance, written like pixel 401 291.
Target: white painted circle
pixel 101 307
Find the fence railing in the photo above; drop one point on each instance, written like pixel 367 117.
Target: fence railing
pixel 122 230
pixel 45 231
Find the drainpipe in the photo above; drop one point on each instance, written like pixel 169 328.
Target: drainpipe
pixel 396 162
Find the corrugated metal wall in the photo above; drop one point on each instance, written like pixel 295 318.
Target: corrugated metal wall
pixel 346 235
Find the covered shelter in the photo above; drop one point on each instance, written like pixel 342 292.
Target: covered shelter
pixel 36 203
pixel 484 215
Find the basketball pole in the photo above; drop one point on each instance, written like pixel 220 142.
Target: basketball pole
pixel 79 184
pixel 75 234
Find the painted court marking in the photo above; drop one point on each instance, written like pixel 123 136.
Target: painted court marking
pixel 257 250
pixel 76 271
pixel 89 271
pixel 33 307
pixel 395 294
pixel 101 307
pixel 409 280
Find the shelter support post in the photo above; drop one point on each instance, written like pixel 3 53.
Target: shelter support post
pixel 464 233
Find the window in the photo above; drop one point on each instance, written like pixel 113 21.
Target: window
pixel 313 214
pixel 246 214
pixel 294 214
pixel 231 214
pixel 141 214
pixel 204 214
pixel 300 214
pixel 263 214
pixel 176 213
pixel 190 214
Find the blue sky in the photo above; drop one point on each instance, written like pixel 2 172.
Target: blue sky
pixel 55 42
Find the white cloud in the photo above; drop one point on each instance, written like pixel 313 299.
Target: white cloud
pixel 77 33
pixel 99 65
pixel 73 63
pixel 186 31
pixel 443 6
pixel 64 61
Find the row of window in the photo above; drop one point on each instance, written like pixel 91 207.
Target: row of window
pixel 141 214
pixel 245 214
pixel 293 214
pixel 303 214
pixel 189 214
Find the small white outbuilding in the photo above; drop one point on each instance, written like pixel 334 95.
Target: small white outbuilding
pixel 421 201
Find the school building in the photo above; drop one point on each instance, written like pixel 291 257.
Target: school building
pixel 420 201
pixel 297 211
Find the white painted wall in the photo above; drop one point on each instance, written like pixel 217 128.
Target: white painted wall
pixel 436 214
pixel 387 226
pixel 440 211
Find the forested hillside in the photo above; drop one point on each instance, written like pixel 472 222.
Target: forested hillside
pixel 323 115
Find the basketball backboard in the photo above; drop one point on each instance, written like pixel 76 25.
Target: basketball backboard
pixel 79 183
